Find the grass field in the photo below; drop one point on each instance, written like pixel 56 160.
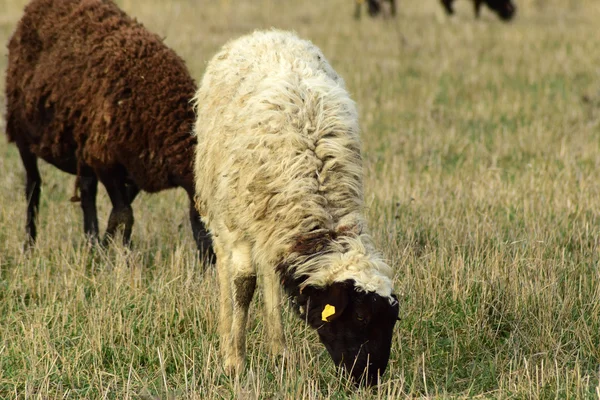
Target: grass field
pixel 482 164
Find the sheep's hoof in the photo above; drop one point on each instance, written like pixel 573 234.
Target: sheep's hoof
pixel 233 365
pixel 29 246
pixel 92 240
pixel 278 347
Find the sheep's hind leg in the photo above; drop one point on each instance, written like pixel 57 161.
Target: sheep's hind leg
pixel 243 278
pixel 477 7
pixel 272 298
pixel 225 300
pixel 88 186
pixel 32 192
pixel 122 213
pixel 448 6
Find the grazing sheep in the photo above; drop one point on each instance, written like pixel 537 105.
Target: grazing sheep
pixel 92 92
pixel 505 9
pixel 279 184
pixel 373 7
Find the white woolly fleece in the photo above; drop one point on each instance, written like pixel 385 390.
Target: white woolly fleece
pixel 278 157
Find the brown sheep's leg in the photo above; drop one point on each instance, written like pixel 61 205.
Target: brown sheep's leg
pixel 121 215
pixel 448 6
pixel 201 235
pixel 88 186
pixel 32 192
pixel 393 5
pixel 132 191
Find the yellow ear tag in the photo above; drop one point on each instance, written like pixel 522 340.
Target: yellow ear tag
pixel 328 311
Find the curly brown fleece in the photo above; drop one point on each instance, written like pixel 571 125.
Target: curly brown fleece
pixel 90 89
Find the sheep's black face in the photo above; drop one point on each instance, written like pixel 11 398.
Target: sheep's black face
pixel 355 327
pixel 504 8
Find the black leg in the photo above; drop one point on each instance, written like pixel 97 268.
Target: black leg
pixel 88 186
pixel 477 5
pixel 393 5
pixel 201 236
pixel 121 215
pixel 132 191
pixel 374 7
pixel 448 6
pixel 32 192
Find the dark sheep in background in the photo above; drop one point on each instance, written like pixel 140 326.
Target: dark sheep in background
pixel 374 7
pixel 94 93
pixel 505 9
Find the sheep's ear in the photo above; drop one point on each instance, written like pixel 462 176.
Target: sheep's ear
pixel 335 302
pixel 328 311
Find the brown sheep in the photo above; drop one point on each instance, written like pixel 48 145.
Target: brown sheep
pixel 94 93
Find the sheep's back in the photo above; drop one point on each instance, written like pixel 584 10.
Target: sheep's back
pixel 278 150
pixel 86 82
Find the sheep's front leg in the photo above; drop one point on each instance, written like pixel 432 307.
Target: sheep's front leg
pixel 241 281
pixel 272 295
pixel 32 192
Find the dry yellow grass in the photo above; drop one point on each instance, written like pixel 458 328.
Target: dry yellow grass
pixel 482 158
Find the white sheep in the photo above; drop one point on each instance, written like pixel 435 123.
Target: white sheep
pixel 279 184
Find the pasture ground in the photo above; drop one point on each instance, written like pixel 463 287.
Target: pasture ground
pixel 481 150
